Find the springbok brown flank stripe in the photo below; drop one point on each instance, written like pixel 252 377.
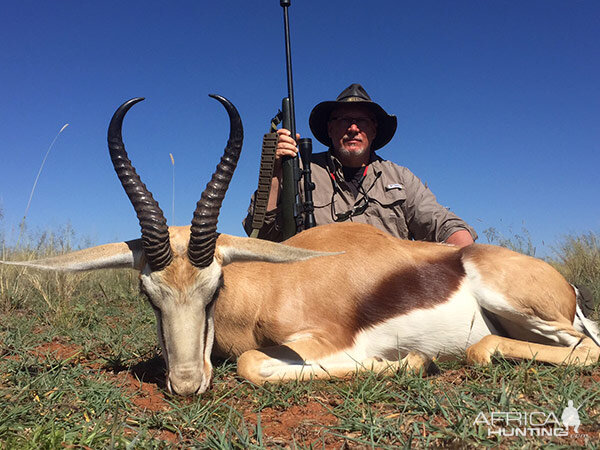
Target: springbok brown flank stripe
pixel 421 286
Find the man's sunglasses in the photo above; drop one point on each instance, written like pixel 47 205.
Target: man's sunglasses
pixel 361 122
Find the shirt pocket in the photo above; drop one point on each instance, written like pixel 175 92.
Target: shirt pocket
pixel 386 212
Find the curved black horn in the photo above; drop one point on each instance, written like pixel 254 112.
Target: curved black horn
pixel 155 233
pixel 203 235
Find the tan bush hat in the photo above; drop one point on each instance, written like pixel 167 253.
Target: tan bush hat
pixel 319 116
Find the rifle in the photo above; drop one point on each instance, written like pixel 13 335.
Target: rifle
pixel 296 215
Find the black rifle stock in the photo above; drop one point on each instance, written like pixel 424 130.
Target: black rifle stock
pixel 290 195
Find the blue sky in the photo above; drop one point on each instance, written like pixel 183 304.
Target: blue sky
pixel 498 103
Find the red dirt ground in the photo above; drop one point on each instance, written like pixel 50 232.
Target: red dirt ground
pixel 304 424
pixel 144 395
pixel 300 424
pixel 58 349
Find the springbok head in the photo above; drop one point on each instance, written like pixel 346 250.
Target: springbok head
pixel 180 267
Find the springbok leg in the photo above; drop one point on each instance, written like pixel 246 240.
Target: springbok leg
pixel 303 360
pixel 583 354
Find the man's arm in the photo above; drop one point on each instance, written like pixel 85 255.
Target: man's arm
pixel 428 220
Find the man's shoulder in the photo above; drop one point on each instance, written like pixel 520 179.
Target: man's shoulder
pixel 392 173
pixel 389 166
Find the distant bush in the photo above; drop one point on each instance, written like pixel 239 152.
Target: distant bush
pixel 578 259
pixel 517 242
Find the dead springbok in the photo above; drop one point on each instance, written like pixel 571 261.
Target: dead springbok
pixel 341 298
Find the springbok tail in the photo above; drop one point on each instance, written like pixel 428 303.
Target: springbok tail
pixel 586 326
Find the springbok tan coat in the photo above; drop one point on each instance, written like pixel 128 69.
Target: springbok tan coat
pixel 381 299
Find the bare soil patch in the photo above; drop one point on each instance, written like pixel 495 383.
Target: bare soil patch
pixel 58 349
pixel 298 423
pixel 144 395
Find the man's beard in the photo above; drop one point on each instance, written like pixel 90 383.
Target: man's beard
pixel 344 153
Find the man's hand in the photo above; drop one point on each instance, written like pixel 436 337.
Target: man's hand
pixel 286 146
pixel 460 238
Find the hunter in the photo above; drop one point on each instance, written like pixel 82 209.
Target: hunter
pixel 353 183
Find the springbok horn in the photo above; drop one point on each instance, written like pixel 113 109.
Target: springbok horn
pixel 155 233
pixel 203 234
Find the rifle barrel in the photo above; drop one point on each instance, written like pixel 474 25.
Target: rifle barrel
pixel 288 63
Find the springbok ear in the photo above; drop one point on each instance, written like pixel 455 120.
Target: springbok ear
pixel 247 249
pixel 109 256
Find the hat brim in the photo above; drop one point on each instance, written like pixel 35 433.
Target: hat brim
pixel 319 118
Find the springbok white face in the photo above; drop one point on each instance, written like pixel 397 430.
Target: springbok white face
pixel 183 299
pixel 180 267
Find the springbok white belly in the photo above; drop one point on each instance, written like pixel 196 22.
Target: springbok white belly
pixel 444 330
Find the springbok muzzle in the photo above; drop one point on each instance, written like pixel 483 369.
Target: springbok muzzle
pixel 189 380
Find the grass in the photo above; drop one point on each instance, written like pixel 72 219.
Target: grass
pixel 79 366
pixel 578 259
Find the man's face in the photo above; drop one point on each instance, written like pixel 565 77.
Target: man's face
pixel 352 129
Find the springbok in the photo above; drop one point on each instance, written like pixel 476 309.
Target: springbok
pixel 334 299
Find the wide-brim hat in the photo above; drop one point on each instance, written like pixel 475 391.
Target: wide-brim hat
pixel 355 93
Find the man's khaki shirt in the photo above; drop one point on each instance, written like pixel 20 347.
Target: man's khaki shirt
pixel 397 202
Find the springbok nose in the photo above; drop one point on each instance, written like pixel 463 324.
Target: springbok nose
pixel 185 381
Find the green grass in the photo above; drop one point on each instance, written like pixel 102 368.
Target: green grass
pixel 578 259
pixel 79 366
